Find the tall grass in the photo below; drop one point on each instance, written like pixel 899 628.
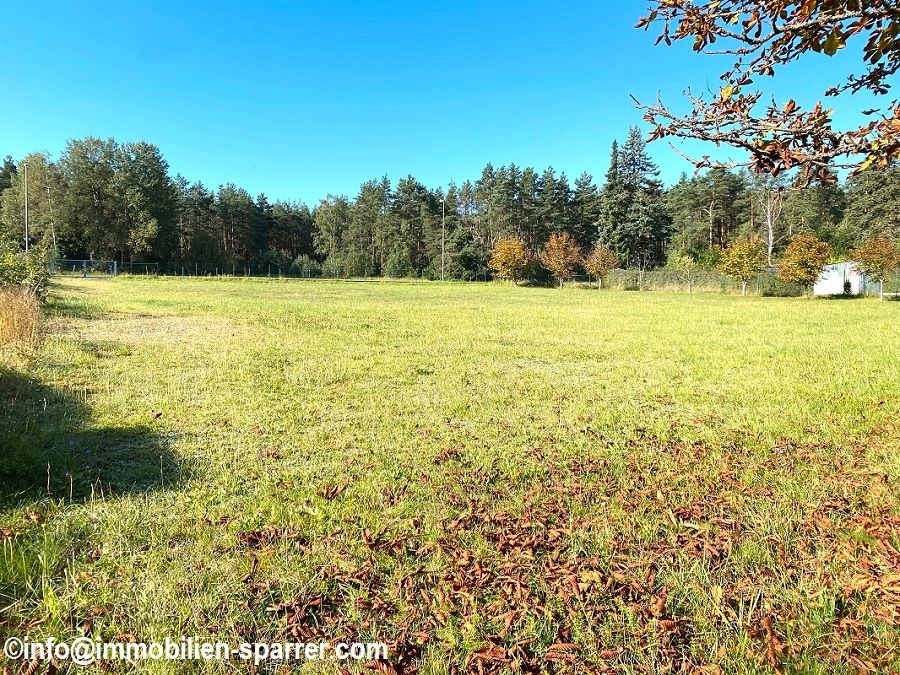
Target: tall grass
pixel 20 317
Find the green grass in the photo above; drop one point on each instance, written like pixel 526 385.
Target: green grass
pixel 659 479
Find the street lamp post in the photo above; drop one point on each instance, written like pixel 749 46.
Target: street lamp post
pixel 26 206
pixel 443 236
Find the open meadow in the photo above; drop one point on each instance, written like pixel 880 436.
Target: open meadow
pixel 488 478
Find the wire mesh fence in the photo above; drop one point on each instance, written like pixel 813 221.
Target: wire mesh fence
pixel 766 283
pixel 84 268
pixel 273 271
pixel 141 268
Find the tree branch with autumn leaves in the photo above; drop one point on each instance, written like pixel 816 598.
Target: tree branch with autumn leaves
pixel 764 35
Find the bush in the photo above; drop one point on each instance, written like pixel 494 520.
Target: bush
pixel 536 274
pixel 26 271
pixel 333 267
pixel 304 266
pixel 19 319
pixel 356 264
pixel 773 287
pixel 273 263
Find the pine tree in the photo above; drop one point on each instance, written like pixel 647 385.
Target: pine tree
pixel 7 171
pixel 528 208
pixel 586 211
pixel 873 203
pixel 633 217
pixel 613 200
pixel 262 225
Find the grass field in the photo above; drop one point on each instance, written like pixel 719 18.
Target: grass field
pixel 488 478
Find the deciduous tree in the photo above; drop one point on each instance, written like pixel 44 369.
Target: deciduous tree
pixel 768 197
pixel 561 256
pixel 7 170
pixel 803 260
pixel 44 192
pixel 600 262
pixel 764 35
pixel 742 261
pixel 878 259
pixel 685 267
pixel 509 258
pixel 332 219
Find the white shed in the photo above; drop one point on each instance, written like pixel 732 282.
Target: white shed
pixel 836 275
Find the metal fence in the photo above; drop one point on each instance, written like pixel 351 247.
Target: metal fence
pixel 84 268
pixel 197 269
pixel 143 268
pixel 702 281
pixel 766 283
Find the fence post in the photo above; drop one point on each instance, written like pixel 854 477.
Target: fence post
pixel 84 269
pixel 115 268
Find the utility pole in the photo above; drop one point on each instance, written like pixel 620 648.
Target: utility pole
pixel 26 206
pixel 443 236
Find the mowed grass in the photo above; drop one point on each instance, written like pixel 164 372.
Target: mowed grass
pixel 488 478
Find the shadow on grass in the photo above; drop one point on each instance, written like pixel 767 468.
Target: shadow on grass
pixel 51 448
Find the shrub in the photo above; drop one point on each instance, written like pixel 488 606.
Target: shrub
pixel 771 286
pixel 20 315
pixel 28 271
pixel 357 263
pixel 272 263
pixel 536 274
pixel 333 267
pixel 305 266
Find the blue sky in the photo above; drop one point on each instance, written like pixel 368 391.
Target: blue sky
pixel 299 99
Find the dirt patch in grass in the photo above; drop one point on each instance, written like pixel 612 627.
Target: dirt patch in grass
pixel 133 331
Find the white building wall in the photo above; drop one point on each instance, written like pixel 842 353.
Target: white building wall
pixel 833 277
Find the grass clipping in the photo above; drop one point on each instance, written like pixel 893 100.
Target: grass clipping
pixel 20 318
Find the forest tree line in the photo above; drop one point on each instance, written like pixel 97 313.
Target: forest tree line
pixel 107 200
